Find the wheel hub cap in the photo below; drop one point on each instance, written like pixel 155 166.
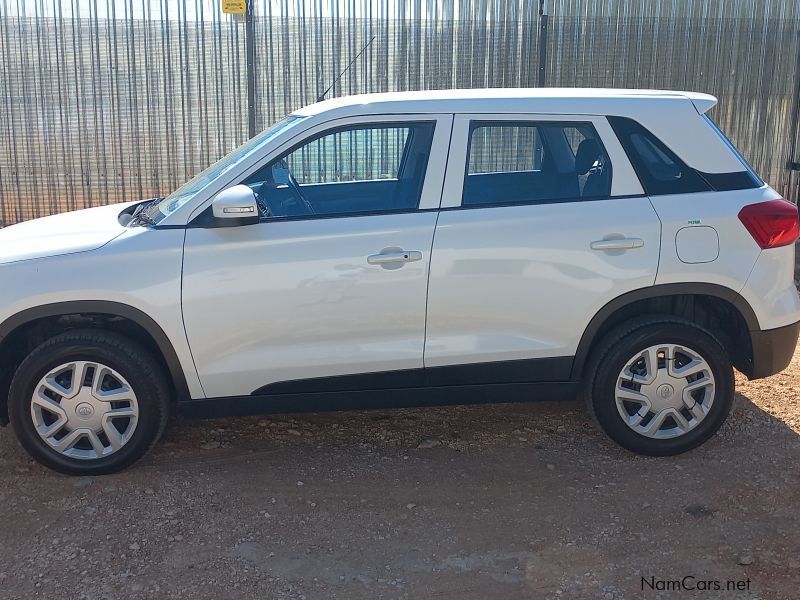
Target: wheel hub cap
pixel 665 391
pixel 84 410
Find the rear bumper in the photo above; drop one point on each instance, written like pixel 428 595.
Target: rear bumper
pixel 773 349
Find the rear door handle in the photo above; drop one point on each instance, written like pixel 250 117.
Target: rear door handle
pixel 402 256
pixel 617 244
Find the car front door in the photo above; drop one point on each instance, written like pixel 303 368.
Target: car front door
pixel 543 221
pixel 332 281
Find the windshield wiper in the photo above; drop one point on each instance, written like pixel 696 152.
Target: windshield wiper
pixel 142 216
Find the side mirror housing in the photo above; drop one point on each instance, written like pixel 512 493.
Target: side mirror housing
pixel 234 206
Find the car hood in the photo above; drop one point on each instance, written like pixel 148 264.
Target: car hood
pixel 66 233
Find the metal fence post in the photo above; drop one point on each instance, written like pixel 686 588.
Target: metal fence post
pixel 250 55
pixel 793 164
pixel 542 42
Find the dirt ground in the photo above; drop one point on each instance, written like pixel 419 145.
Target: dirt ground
pixel 504 501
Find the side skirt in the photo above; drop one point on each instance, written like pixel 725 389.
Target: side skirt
pixel 378 399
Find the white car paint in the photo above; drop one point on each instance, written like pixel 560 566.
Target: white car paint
pixel 770 290
pixel 298 299
pixel 139 267
pixel 521 282
pixel 77 231
pixel 738 251
pixel 244 307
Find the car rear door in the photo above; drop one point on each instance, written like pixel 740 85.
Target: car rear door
pixel 538 230
pixel 276 306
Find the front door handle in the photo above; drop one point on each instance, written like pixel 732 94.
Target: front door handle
pixel 399 256
pixel 617 244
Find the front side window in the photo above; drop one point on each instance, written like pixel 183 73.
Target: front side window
pixel 532 163
pixel 348 171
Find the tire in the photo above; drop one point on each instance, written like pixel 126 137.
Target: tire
pixel 110 365
pixel 615 392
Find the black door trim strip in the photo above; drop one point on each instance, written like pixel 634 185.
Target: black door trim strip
pixel 378 399
pixel 532 370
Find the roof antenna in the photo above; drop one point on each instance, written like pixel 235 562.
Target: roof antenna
pixel 355 58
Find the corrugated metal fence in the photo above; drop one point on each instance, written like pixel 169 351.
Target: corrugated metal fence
pixel 110 100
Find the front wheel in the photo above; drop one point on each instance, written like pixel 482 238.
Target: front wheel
pixel 660 386
pixel 88 402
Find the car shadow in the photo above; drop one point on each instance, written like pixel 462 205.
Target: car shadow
pixel 547 426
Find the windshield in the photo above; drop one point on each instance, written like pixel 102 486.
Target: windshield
pixel 199 182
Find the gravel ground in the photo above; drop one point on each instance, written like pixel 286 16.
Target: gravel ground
pixel 504 501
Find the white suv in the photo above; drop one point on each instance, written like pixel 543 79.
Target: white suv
pixel 411 249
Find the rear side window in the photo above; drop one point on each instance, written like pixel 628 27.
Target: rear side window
pixel 659 169
pixel 532 163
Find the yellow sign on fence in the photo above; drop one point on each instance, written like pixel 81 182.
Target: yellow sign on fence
pixel 234 7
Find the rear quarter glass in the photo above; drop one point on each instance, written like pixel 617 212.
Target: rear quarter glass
pixel 750 171
pixel 662 171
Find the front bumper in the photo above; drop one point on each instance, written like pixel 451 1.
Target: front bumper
pixel 773 349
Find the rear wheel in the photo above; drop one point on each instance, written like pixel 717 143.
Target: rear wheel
pixel 660 386
pixel 88 402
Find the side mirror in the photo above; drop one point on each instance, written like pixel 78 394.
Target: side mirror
pixel 235 206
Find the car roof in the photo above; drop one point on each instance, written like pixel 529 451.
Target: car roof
pixel 524 100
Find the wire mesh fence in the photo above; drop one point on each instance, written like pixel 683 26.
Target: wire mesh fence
pixel 110 100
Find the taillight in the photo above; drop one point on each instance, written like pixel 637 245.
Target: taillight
pixel 772 223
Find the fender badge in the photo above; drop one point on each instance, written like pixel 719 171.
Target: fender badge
pixel 694 221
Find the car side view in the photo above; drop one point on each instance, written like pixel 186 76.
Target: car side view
pixel 409 249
